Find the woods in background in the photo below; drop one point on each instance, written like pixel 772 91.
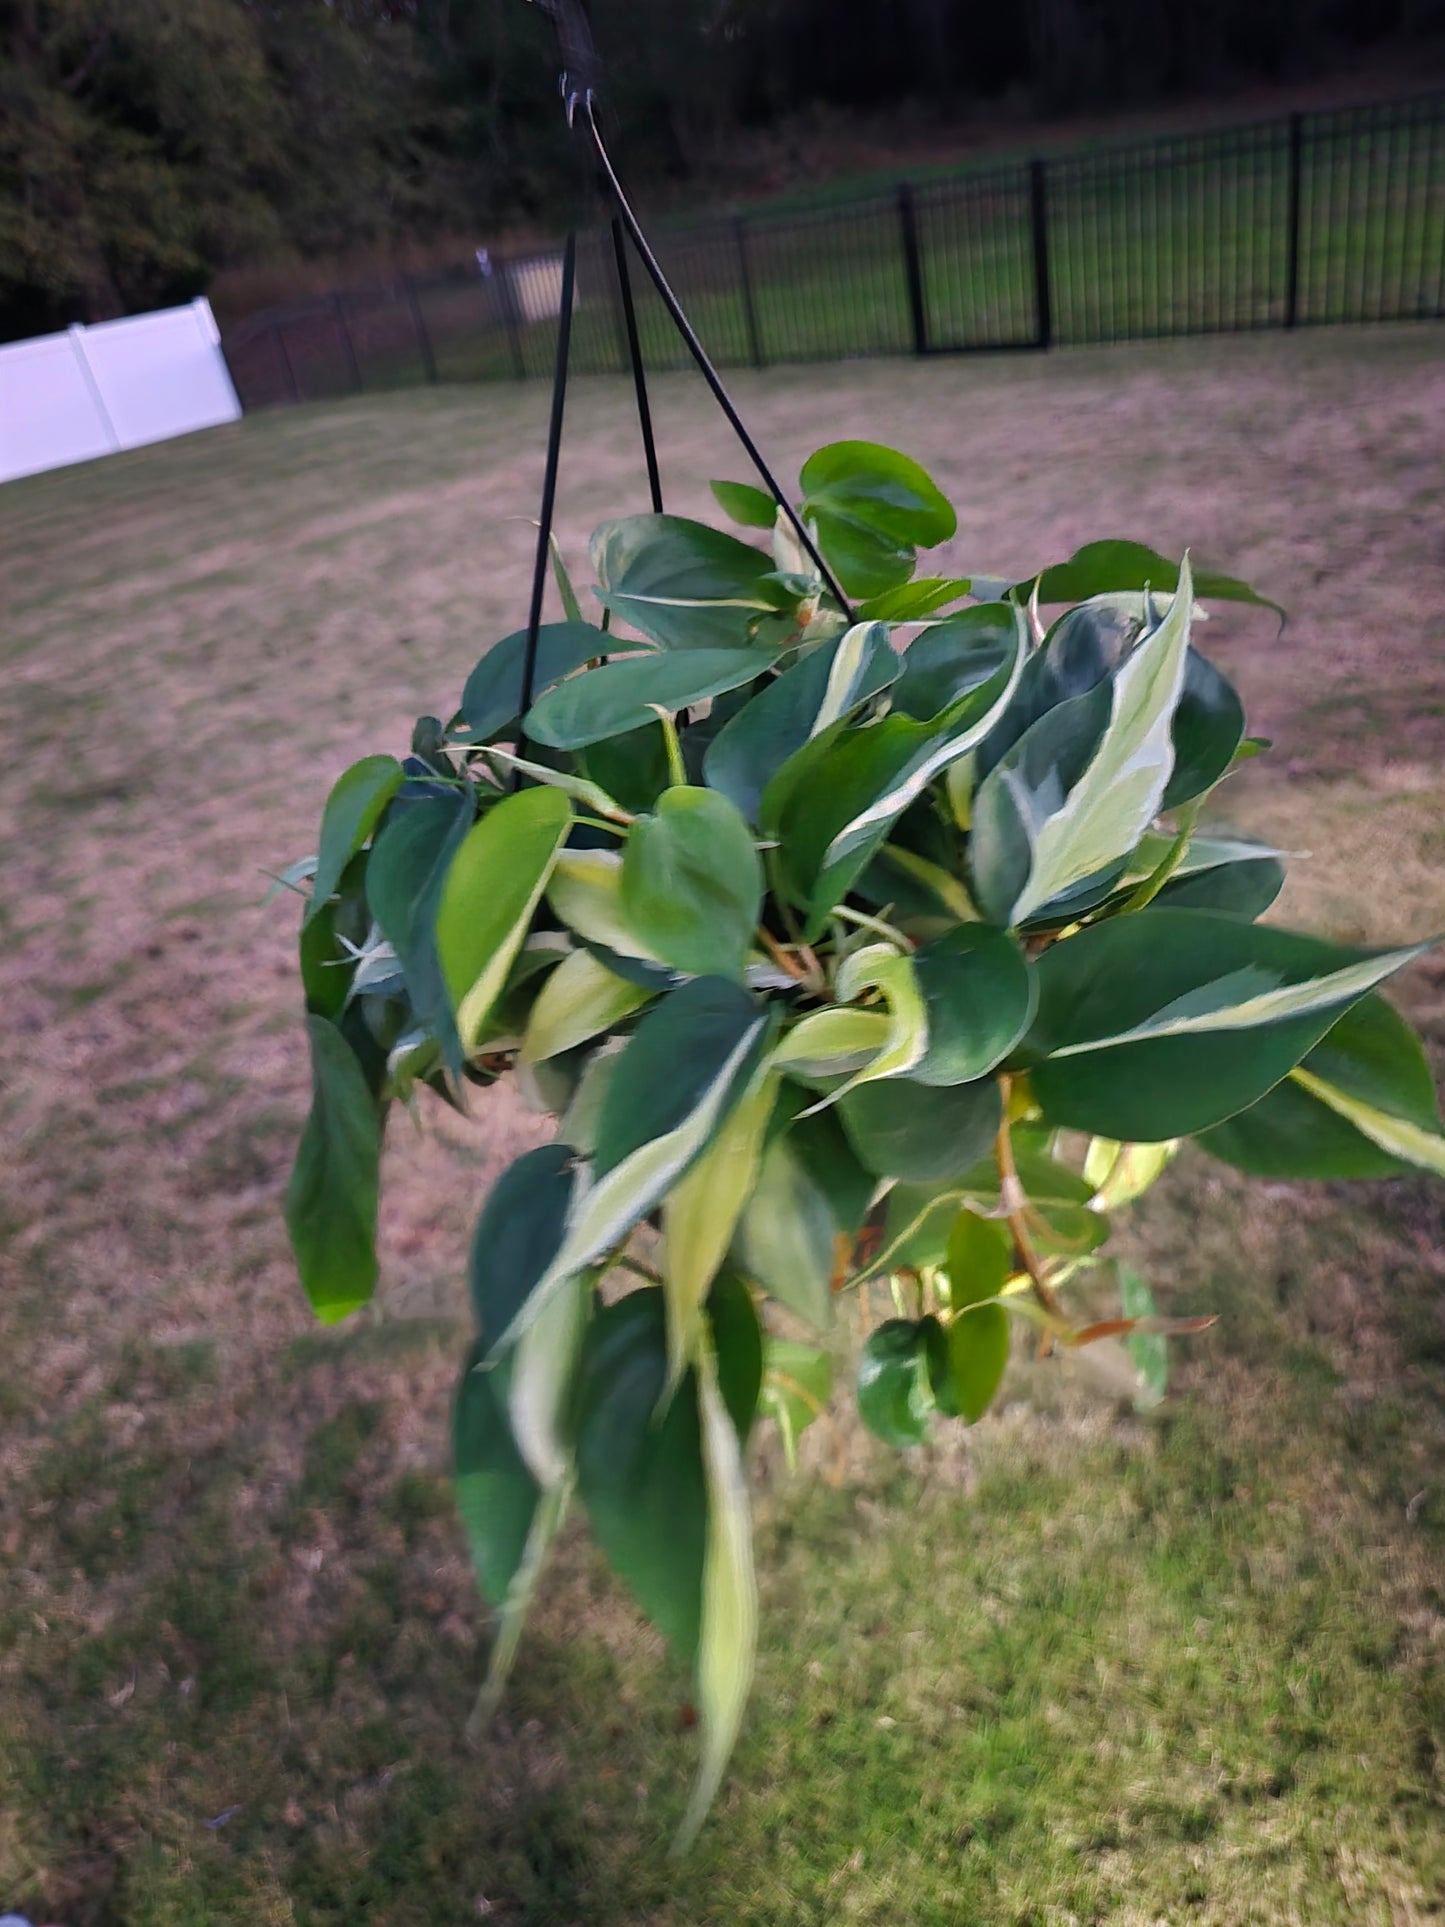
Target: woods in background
pixel 146 144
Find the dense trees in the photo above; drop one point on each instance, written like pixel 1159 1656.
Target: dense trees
pixel 145 143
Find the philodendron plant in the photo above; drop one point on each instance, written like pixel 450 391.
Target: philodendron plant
pixel 889 947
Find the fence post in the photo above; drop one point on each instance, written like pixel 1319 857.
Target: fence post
pixel 1039 219
pixel 423 339
pixel 1296 170
pixel 348 346
pixel 913 267
pixel 745 282
pixel 286 362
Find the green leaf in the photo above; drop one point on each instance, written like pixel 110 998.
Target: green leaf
pixel 879 967
pixel 1207 731
pixel 331 1198
pixel 687 586
pixel 745 504
pixel 640 1471
pixel 404 881
pixel 787 1236
pixel 1221 871
pixel 675 1083
pixel 487 901
pixel 701 1214
pixel 914 601
pixel 1082 785
pixel 544 1368
pixel 894 1396
pixel 979 996
pixel 327 966
pixel 738 1341
pixel 797 1385
pixel 633 767
pixel 1162 1024
pixel 571 608
pixel 1118 1174
pixel 585 892
pixel 951 658
pixel 492 699
pixel 581 999
pixel 692 883
pixel 980 1258
pixel 518 1235
pixel 1104 567
pixel 352 812
pixel 871 508
pixel 1148 1349
pixel 967 1359
pixel 729 1630
pixel 921 1133
pixel 833 803
pixel 1361 1105
pixel 496 1494
pixel 592 796
pixel 626 693
pixel 829 683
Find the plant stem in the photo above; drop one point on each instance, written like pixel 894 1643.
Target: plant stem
pixel 1014 1202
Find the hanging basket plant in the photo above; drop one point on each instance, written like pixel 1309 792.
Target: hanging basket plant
pixel 897 945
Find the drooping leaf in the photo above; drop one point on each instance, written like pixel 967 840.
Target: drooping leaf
pixel 737 1340
pixel 834 1041
pixel 1360 1105
pixel 1101 568
pixel 894 1395
pixel 582 790
pixel 829 683
pixel 675 1083
pixel 1074 795
pixel 581 999
pixel 921 1133
pixel 544 1366
pixel 751 507
pixel 966 1359
pixel 626 693
pixel 685 585
pixel 692 883
pixel 332 1195
pixel 1162 1024
pixel 353 810
pixel 797 1384
pixel 979 996
pixel 497 1495
pixel 1207 731
pixel 979 1260
pixel 640 1470
pixel 490 892
pixel 518 1235
pixel 787 1236
pixel 492 698
pixel 404 880
pixel 729 1630
pixel 701 1214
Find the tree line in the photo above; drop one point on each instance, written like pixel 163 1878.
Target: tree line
pixel 146 144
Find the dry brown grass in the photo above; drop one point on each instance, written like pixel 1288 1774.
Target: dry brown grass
pixel 198 637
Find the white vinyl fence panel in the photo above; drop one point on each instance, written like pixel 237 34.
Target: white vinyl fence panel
pixel 92 391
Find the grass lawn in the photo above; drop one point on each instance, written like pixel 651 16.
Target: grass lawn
pixel 1070 1667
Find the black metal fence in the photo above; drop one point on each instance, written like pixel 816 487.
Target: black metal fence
pixel 1320 217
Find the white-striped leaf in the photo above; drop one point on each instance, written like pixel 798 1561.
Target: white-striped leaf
pixel 878 966
pixel 1079 789
pixel 701 1214
pixel 729 1635
pixel 582 998
pixel 493 887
